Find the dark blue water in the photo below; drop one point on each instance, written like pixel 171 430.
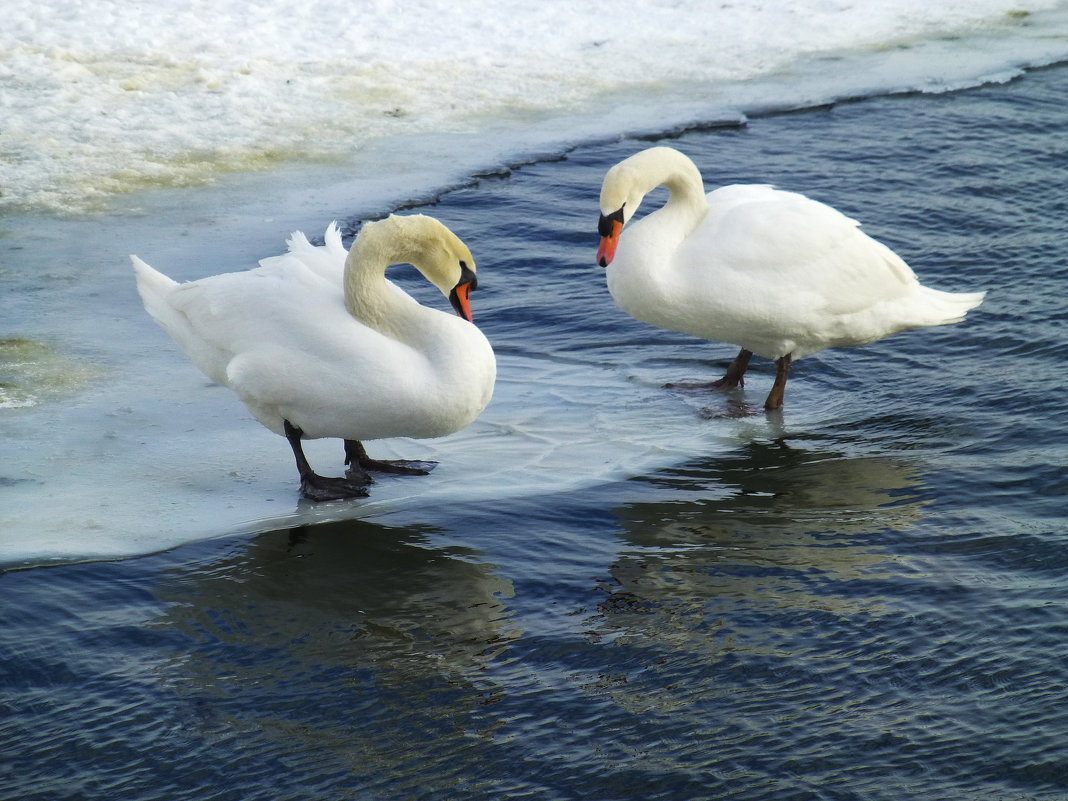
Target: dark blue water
pixel 864 597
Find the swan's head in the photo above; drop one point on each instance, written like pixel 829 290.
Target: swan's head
pixel 621 194
pixel 629 181
pixel 447 263
pixel 460 294
pixel 434 250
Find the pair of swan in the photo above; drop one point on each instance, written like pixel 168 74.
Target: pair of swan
pixel 318 343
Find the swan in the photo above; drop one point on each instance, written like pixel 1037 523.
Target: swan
pixel 318 343
pixel 774 272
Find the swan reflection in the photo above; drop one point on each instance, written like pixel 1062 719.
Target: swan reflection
pixel 393 631
pixel 770 532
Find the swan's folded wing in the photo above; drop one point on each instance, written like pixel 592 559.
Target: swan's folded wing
pixel 234 313
pixel 791 245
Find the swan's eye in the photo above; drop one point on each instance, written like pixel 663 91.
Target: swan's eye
pixel 467 276
pixel 604 225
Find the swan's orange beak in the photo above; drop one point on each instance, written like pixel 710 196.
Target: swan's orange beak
pixel 460 298
pixel 609 227
pixel 607 251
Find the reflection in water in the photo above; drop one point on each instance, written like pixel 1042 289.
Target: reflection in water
pixel 754 563
pixel 345 643
pixel 776 496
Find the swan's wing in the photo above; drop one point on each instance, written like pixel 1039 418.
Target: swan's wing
pixel 786 244
pixel 327 261
pixel 283 301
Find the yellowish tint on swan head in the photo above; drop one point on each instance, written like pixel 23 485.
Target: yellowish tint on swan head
pixel 428 245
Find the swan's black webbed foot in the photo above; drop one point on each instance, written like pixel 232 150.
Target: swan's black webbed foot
pixel 720 384
pixel 734 377
pixel 314 486
pixel 359 462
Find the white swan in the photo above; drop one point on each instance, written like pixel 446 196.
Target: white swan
pixel 318 343
pixel 774 272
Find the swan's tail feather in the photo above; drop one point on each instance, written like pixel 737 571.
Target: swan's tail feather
pixel 154 287
pixel 157 291
pixel 166 301
pixel 943 308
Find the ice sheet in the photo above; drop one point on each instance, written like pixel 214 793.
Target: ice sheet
pixel 102 97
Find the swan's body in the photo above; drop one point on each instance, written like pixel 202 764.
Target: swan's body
pixel 318 343
pixel 774 272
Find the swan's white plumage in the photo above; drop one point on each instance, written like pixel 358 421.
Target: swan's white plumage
pixel 282 337
pixel 771 271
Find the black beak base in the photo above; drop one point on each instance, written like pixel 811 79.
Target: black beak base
pixel 604 225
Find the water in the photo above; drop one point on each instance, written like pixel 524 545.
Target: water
pixel 607 590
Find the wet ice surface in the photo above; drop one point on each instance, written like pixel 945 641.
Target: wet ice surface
pixel 140 468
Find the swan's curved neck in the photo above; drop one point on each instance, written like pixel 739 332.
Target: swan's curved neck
pixel 368 296
pixel 632 179
pixel 686 191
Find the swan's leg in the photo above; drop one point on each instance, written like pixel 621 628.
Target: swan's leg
pixel 312 485
pixel 734 377
pixel 778 389
pixel 357 459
